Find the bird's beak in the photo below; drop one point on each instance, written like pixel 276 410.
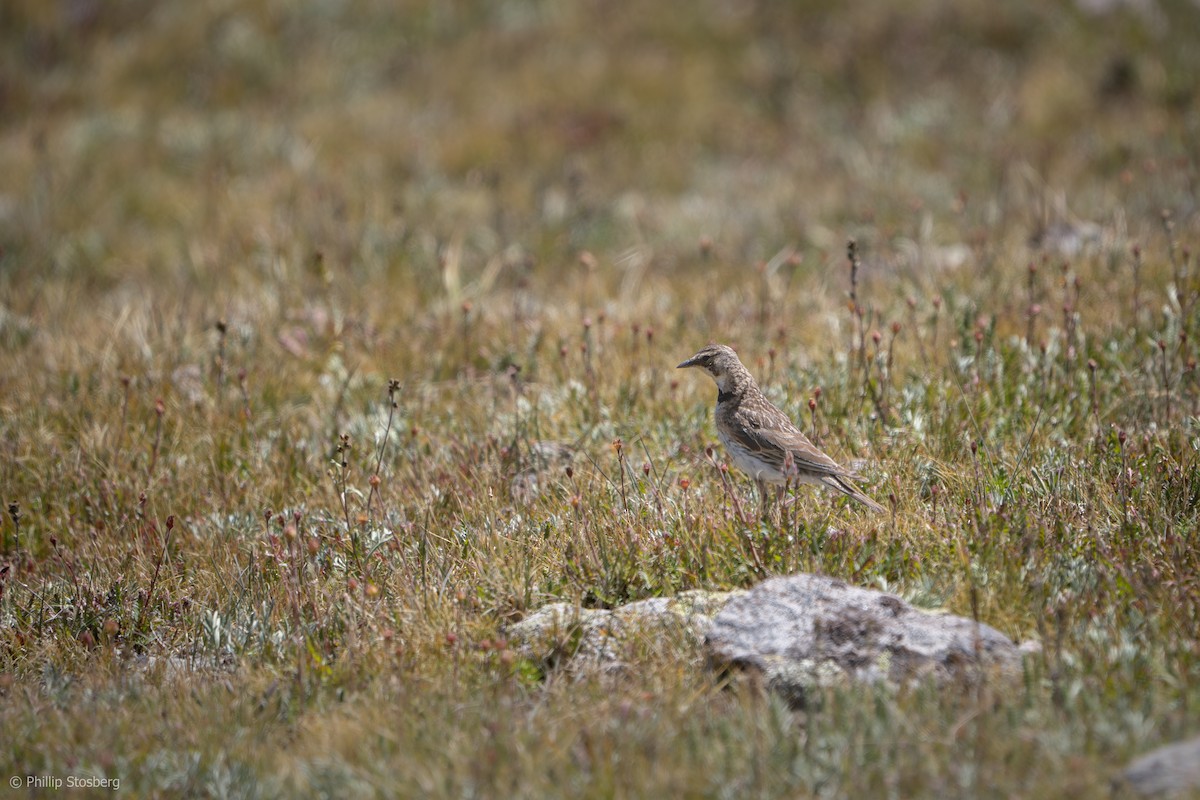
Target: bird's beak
pixel 691 362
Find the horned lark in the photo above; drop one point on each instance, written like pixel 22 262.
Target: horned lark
pixel 760 439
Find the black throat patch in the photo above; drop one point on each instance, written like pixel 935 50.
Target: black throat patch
pixel 723 397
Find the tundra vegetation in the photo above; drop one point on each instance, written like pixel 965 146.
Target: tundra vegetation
pixel 338 337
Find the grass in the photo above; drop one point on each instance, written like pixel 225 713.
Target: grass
pixel 299 300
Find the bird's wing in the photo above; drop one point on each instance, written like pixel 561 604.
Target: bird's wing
pixel 769 433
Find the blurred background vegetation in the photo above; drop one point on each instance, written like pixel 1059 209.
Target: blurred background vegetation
pixel 177 143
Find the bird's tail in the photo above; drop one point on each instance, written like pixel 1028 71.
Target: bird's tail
pixel 847 487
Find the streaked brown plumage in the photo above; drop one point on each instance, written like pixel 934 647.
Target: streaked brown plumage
pixel 760 438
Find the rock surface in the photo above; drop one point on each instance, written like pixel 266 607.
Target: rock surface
pixel 799 632
pixel 1168 771
pixel 804 631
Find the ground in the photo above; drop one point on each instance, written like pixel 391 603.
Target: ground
pixel 339 336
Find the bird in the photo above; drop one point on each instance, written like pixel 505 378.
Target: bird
pixel 760 439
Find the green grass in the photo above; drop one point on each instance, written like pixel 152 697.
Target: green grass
pixel 225 229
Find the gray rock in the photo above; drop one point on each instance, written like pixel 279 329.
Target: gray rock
pixel 799 632
pixel 805 631
pixel 1167 771
pixel 585 638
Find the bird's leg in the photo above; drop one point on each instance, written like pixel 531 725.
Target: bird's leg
pixel 787 510
pixel 770 499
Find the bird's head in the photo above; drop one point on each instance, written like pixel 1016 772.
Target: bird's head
pixel 720 362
